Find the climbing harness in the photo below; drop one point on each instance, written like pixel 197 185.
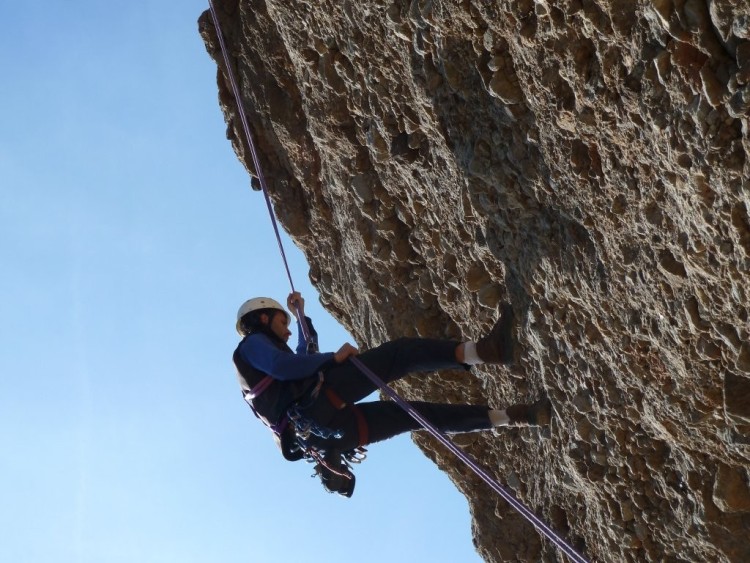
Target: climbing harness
pixel 334 465
pixel 363 429
pixel 307 427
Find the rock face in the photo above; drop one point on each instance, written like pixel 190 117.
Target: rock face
pixel 586 160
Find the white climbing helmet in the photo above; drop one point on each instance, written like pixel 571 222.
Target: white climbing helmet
pixel 255 304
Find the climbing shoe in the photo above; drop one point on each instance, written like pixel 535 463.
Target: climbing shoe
pixel 537 414
pixel 498 346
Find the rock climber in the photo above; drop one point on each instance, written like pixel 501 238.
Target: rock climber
pixel 314 397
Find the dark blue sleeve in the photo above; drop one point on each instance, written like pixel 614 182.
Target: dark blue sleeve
pixel 301 343
pixel 260 352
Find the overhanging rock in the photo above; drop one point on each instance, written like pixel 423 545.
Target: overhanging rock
pixel 587 160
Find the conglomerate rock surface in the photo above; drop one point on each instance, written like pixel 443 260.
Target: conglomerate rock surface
pixel 586 160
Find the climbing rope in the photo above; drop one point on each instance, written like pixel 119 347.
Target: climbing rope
pixel 426 424
pixel 472 464
pixel 256 161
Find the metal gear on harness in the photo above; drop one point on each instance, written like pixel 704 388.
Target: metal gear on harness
pixel 332 466
pixel 307 427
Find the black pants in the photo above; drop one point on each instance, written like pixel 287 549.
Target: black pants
pixel 385 419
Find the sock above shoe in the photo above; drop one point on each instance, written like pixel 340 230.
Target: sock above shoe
pixel 499 417
pixel 470 354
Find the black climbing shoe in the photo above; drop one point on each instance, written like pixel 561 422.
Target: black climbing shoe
pixel 537 414
pixel 498 346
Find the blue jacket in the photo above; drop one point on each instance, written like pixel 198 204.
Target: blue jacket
pixel 261 352
pixel 294 375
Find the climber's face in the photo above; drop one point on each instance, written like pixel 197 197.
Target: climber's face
pixel 279 324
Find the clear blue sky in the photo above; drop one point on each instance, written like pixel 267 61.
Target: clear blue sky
pixel 128 237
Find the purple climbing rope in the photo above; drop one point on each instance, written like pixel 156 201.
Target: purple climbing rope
pixel 426 424
pixel 473 465
pixel 256 161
